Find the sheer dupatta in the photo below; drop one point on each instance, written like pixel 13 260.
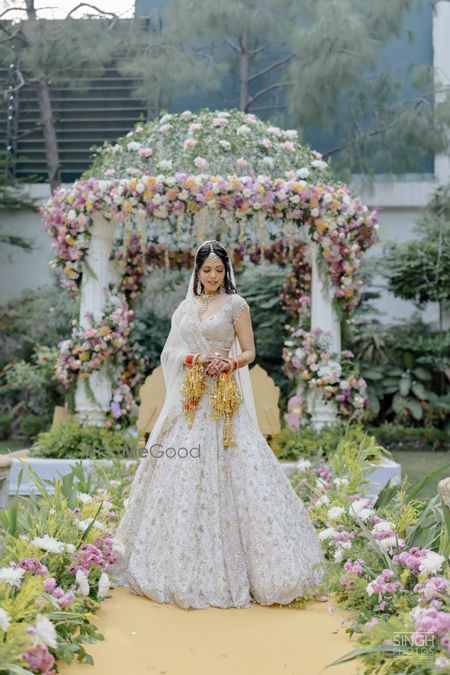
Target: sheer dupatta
pixel 172 364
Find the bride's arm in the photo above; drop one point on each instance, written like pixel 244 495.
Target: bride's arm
pixel 244 331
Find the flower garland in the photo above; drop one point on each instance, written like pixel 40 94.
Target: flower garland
pixel 307 358
pixel 106 340
pixel 341 224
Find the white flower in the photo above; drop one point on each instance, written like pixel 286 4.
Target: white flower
pixel 243 130
pixel 49 544
pixel 165 164
pixel 84 524
pixel 431 563
pixel 359 508
pixel 324 499
pixel 103 584
pixel 12 576
pixel 340 481
pixel 140 187
pixel 5 619
pixel 84 497
pixel 417 612
pixel 383 526
pixel 303 464
pixel 303 173
pixel 276 131
pixel 345 544
pixel 165 127
pixel 225 145
pixel 133 145
pixel 442 662
pixel 335 512
pixel 318 164
pixel 168 116
pixel 45 631
pixel 327 533
pixel 268 161
pixel 338 555
pixel 369 588
pixel 388 543
pixel 83 582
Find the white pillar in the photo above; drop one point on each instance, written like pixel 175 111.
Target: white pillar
pixel 441 63
pixel 323 316
pixel 93 296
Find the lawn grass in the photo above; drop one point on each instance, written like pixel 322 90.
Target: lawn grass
pixel 416 465
pixel 11 445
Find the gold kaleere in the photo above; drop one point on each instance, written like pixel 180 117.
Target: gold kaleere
pixel 192 390
pixel 225 400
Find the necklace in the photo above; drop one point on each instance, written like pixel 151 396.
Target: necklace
pixel 205 299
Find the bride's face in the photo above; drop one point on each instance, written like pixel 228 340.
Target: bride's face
pixel 212 274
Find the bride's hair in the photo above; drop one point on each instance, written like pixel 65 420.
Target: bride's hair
pixel 202 253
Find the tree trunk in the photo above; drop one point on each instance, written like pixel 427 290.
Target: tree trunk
pixel 49 131
pixel 245 58
pixel 47 119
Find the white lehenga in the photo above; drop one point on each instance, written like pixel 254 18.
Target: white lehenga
pixel 222 526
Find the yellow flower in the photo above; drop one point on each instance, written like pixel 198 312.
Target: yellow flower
pixel 133 183
pixel 126 206
pixel 148 194
pixel 104 330
pixel 89 205
pixel 84 356
pixel 321 226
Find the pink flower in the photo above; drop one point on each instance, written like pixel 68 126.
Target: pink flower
pixel 40 660
pixel 219 121
pixel 201 163
pixel 49 585
pixel 288 146
pixel 145 152
pixel 189 143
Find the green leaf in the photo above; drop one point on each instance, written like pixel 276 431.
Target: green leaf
pixel 422 374
pixel 415 408
pixel 419 390
pixel 404 385
pixel 372 375
pixel 398 403
pixel 408 360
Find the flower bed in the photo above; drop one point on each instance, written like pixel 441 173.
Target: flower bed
pixel 387 561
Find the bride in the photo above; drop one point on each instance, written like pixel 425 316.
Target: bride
pixel 211 519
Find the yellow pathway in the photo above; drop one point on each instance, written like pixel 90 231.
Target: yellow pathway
pixel 143 637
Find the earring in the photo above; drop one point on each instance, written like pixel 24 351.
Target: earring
pixel 199 286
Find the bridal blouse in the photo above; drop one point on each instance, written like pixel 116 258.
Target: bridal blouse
pixel 206 525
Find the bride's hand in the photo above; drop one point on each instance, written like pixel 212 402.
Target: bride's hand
pixel 218 365
pixel 205 359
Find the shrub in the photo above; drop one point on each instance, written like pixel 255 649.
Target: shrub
pixel 72 439
pixel 308 442
pixel 5 426
pixel 32 425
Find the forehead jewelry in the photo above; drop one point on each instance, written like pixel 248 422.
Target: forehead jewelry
pixel 212 255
